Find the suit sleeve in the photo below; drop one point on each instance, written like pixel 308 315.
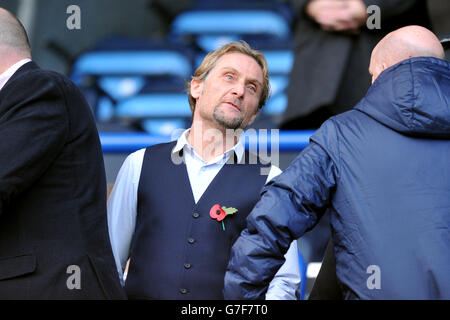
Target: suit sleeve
pixel 33 131
pixel 290 205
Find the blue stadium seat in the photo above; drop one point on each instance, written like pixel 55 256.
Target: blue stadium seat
pixel 121 87
pixel 278 84
pixel 210 28
pixel 124 69
pixel 284 9
pixel 163 127
pixel 131 63
pixel 105 109
pixel 230 22
pixel 279 61
pixel 162 105
pixel 157 113
pixel 209 42
pixel 275 105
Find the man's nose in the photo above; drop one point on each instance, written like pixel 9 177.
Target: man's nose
pixel 238 89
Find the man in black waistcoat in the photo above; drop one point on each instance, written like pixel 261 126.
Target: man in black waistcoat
pixel 177 208
pixel 53 229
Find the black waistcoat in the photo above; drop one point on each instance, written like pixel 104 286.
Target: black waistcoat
pixel 178 251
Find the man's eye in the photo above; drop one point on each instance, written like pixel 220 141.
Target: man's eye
pixel 229 76
pixel 252 88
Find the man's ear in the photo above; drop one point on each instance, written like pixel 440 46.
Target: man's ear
pixel 196 88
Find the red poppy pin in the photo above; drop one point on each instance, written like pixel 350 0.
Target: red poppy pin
pixel 219 213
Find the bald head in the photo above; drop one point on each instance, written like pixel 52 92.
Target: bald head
pixel 13 37
pixel 404 43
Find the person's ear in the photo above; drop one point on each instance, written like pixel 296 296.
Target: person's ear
pixel 196 88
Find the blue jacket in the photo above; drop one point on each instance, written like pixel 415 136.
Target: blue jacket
pixel 382 171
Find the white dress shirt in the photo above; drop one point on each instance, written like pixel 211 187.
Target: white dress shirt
pixel 4 77
pixel 122 209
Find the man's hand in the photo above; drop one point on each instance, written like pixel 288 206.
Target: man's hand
pixel 338 15
pixel 357 12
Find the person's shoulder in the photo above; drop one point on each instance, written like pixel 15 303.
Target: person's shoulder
pixel 59 79
pixel 346 117
pixel 32 83
pixel 51 76
pixel 161 146
pixel 46 80
pixel 136 156
pixel 134 160
pixel 29 74
pixel 32 70
pixel 332 125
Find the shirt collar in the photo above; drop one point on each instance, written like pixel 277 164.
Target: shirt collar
pixel 238 149
pixel 5 76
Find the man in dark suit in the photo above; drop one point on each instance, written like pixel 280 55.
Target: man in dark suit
pixel 54 240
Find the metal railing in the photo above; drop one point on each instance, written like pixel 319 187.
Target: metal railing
pixel 287 141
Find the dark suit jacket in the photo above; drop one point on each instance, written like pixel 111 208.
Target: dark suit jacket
pixel 54 241
pixel 331 68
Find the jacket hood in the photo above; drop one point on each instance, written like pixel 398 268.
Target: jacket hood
pixel 412 97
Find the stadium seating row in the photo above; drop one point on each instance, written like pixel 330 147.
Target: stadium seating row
pixel 142 82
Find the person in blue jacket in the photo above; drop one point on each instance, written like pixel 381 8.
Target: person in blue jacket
pixel 382 172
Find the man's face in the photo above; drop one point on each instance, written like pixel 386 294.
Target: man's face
pixel 229 96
